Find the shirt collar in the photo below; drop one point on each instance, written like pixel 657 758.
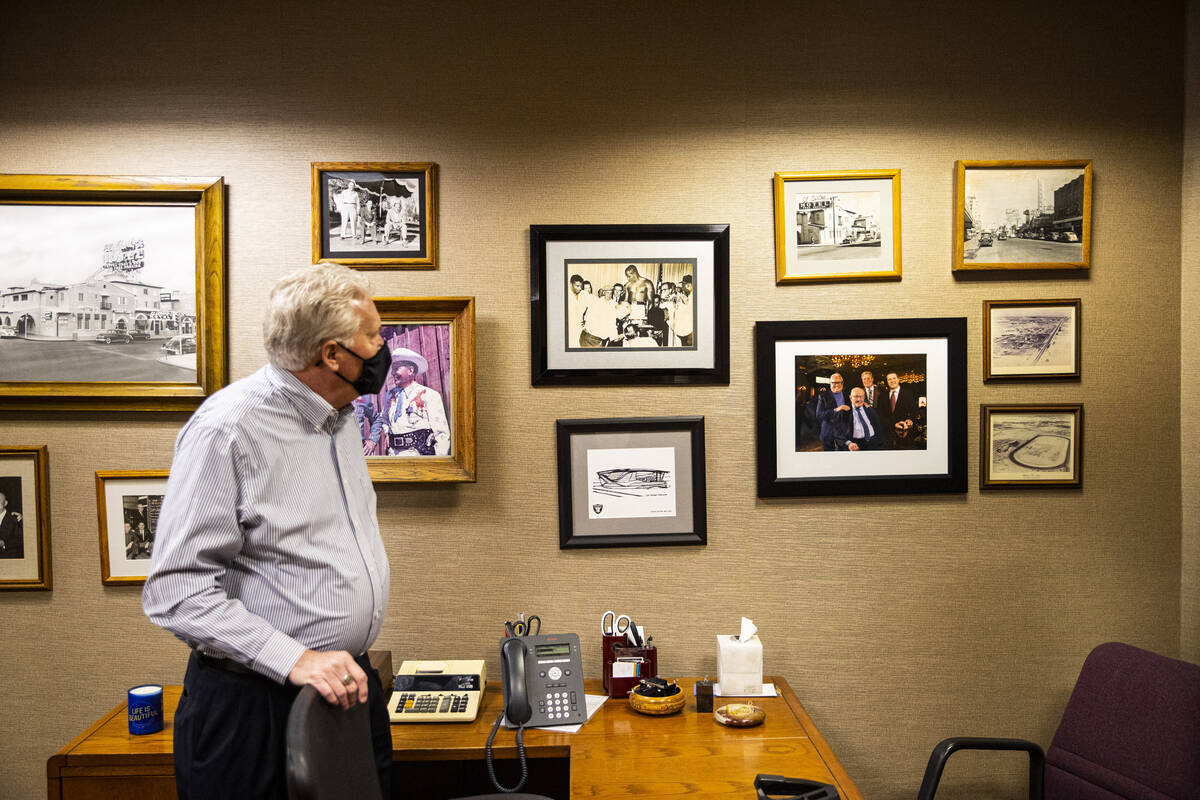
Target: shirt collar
pixel 312 408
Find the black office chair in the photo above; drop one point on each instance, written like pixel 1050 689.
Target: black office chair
pixel 329 753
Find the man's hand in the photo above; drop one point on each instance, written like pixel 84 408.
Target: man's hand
pixel 852 446
pixel 843 407
pixel 325 670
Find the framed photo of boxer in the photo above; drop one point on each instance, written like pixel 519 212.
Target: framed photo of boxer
pixel 620 305
pixel 837 226
pixel 421 426
pixel 375 214
pixel 24 518
pixel 113 292
pixel 1030 444
pixel 127 506
pixel 631 482
pixel 874 406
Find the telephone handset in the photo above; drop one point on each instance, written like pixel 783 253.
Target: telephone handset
pixel 542 681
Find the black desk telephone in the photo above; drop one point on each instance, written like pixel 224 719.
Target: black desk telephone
pixel 542 681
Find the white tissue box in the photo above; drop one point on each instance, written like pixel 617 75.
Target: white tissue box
pixel 739 665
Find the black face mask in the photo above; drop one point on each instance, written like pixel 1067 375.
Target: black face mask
pixel 374 370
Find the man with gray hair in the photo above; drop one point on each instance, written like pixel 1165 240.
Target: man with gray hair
pixel 268 561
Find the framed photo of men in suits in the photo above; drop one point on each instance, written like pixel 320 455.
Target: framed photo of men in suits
pixel 873 406
pixel 24 518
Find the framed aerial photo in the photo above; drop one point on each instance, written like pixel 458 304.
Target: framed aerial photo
pixel 631 482
pixel 1031 215
pixel 24 518
pixel 629 304
pixel 1031 339
pixel 375 214
pixel 127 504
pixel 113 292
pixel 869 406
pixel 1030 444
pixel 837 226
pixel 421 426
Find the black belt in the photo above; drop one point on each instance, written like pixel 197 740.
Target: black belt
pixel 227 664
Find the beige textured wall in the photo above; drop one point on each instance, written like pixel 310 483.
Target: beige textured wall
pixel 1189 373
pixel 898 620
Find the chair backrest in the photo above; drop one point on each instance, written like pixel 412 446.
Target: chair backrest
pixel 329 752
pixel 1130 730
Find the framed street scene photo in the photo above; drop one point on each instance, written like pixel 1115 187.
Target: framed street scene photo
pixel 421 425
pixel 1030 445
pixel 375 215
pixel 629 304
pixel 1022 215
pixel 127 504
pixel 24 518
pixel 631 482
pixel 113 292
pixel 875 406
pixel 837 226
pixel 1031 339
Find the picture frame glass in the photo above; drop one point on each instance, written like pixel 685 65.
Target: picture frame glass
pixel 1032 446
pixel 131 507
pixel 412 415
pixel 18 520
pixel 374 214
pixel 1024 215
pixel 837 227
pixel 98 293
pixel 1032 340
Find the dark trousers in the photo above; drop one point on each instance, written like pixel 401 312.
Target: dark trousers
pixel 231 734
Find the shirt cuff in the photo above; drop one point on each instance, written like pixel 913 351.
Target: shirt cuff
pixel 278 656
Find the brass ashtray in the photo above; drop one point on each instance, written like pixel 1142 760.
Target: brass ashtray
pixel 740 715
pixel 656 697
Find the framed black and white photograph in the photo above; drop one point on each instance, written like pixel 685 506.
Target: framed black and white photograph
pixel 375 215
pixel 876 406
pixel 127 506
pixel 631 482
pixel 1030 444
pixel 837 226
pixel 1022 215
pixel 421 426
pixel 24 518
pixel 113 292
pixel 1031 339
pixel 629 304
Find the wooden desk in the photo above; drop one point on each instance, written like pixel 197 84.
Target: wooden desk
pixel 617 753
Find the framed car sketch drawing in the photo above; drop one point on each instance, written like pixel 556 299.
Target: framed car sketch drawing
pixel 24 518
pixel 1030 445
pixel 127 505
pixel 631 482
pixel 837 226
pixel 421 426
pixel 629 304
pixel 874 406
pixel 1022 215
pixel 113 293
pixel 374 214
pixel 1031 339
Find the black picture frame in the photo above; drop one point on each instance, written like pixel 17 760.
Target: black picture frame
pixel 556 253
pixel 587 447
pixel 939 345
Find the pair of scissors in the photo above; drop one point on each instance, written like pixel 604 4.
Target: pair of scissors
pixel 524 627
pixel 613 625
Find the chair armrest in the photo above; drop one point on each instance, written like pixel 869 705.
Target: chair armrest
pixel 947 747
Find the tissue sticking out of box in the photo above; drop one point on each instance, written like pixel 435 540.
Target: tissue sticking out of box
pixel 739 661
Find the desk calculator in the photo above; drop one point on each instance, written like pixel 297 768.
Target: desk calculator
pixel 437 691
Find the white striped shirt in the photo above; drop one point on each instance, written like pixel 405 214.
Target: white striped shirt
pixel 267 543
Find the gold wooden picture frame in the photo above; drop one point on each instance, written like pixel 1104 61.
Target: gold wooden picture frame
pixel 1031 445
pixel 1022 215
pixel 421 426
pixel 127 507
pixel 1032 339
pixel 375 214
pixel 24 518
pixel 837 226
pixel 119 305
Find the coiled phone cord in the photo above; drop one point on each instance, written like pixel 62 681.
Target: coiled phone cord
pixel 520 753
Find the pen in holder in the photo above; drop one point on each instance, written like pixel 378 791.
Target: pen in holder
pixel 628 666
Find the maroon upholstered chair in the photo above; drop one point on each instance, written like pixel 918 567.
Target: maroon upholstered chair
pixel 1130 730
